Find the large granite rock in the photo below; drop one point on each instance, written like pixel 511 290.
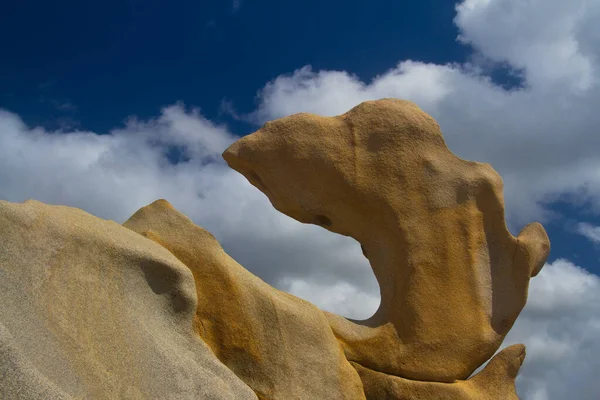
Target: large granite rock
pixel 156 309
pixel 279 345
pixel 91 310
pixel 452 277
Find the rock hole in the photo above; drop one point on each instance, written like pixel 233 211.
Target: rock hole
pixel 323 220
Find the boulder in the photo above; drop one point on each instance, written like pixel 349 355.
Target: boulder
pixel 279 345
pixel 90 309
pixel 452 278
pixel 155 308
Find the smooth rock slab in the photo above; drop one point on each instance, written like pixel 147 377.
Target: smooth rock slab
pixel 90 309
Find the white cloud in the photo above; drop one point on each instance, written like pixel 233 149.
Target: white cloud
pixel 339 297
pixel 560 325
pixel 542 145
pixel 542 138
pixel 589 231
pixel 544 37
pixel 113 175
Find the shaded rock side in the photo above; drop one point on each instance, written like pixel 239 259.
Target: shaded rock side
pixel 452 277
pixel 90 309
pixel 279 345
pixel 494 382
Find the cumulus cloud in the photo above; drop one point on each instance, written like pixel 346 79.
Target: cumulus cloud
pixel 548 39
pixel 560 325
pixel 111 176
pixel 542 137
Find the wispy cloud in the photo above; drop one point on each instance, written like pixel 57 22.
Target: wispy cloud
pixel 47 84
pixel 226 107
pixel 65 106
pixel 589 231
pixel 237 4
pixel 49 93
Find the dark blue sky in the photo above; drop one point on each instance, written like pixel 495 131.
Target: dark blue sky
pixel 90 65
pixel 98 62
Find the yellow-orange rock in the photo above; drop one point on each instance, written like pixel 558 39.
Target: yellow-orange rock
pixel 157 309
pixel 152 309
pixel 279 345
pixel 452 277
pixel 494 382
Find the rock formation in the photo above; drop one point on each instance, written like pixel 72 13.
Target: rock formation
pixel 155 308
pixel 494 382
pixel 452 277
pixel 92 310
pixel 268 338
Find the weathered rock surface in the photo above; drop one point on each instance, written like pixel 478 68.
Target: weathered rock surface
pixel 494 382
pixel 279 345
pixel 155 308
pixel 91 310
pixel 452 277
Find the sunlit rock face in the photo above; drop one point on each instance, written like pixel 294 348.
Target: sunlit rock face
pixel 155 308
pixel 452 278
pixel 279 345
